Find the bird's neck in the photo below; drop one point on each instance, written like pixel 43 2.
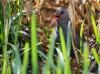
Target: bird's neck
pixel 62 23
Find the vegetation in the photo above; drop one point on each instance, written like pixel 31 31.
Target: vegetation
pixel 27 43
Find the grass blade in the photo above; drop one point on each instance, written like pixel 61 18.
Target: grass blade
pixel 66 51
pixel 97 58
pixel 81 36
pixel 34 45
pixel 17 63
pixel 95 29
pixel 86 59
pixel 25 59
pixel 63 44
pixel 96 55
pixel 50 63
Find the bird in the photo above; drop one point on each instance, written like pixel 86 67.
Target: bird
pixel 61 17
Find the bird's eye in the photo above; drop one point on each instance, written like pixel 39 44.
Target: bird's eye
pixel 61 12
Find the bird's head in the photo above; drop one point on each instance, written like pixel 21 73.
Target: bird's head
pixel 60 15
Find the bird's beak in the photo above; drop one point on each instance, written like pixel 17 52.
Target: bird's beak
pixel 56 17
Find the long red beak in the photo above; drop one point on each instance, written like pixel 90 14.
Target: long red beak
pixel 56 17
